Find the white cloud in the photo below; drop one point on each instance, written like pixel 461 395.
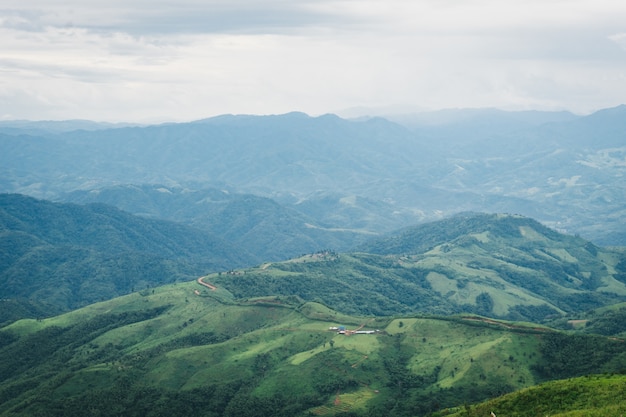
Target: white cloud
pixel 139 59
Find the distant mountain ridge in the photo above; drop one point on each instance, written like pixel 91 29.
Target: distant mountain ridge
pixel 564 170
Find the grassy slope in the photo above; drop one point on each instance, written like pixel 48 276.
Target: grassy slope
pixel 513 269
pixel 589 396
pixel 175 340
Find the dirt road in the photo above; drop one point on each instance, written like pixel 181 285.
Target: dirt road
pixel 211 287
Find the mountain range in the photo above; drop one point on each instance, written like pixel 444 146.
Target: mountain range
pixel 500 266
pixel 561 169
pixel 292 265
pixel 259 225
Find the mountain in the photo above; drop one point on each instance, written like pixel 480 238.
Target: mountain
pixel 64 256
pixel 289 153
pixel 571 169
pixel 503 266
pixel 258 225
pixel 564 170
pixel 425 237
pixel 184 349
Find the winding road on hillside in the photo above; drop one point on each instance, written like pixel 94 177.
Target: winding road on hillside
pixel 211 287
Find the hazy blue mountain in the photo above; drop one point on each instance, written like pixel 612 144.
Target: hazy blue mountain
pixel 52 127
pixel 64 255
pixel 564 170
pixel 290 153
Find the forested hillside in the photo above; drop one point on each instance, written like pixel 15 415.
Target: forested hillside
pixel 589 396
pixel 63 256
pixel 259 225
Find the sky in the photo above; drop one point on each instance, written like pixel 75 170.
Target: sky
pixel 179 60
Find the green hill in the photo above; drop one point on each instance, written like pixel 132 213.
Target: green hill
pixel 501 266
pixel 589 396
pixel 424 237
pixel 63 256
pixel 183 349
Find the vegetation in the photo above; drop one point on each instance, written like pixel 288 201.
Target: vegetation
pixel 260 342
pixel 62 256
pixel 57 257
pixel 254 224
pixel 607 321
pixel 503 266
pixel 184 349
pixel 588 396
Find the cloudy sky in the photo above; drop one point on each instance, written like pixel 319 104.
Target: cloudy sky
pixel 176 60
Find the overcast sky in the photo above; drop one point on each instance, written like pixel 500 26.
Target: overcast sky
pixel 176 60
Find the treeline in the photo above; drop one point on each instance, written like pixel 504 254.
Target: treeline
pixel 608 323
